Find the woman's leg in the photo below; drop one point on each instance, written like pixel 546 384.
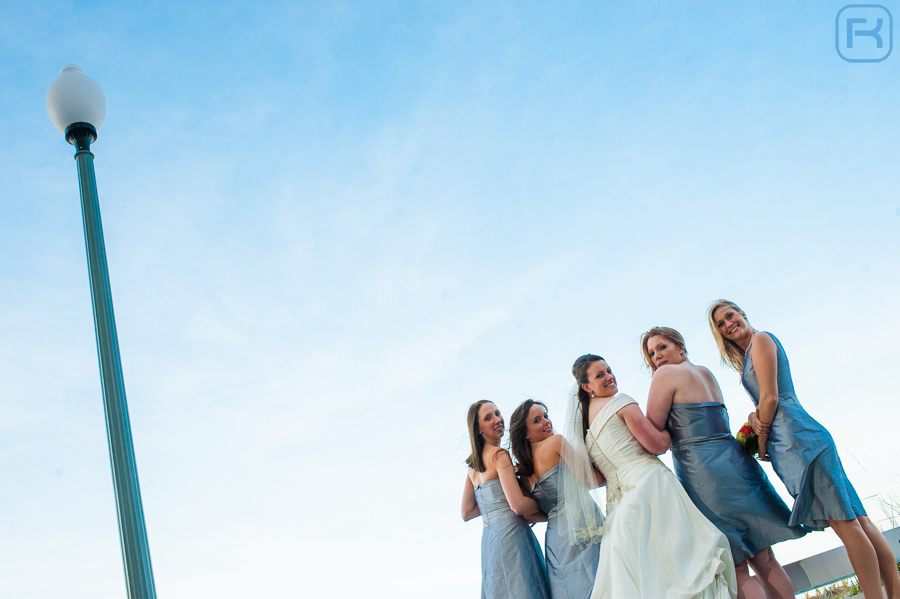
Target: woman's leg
pixel 774 579
pixel 747 586
pixel 887 565
pixel 862 555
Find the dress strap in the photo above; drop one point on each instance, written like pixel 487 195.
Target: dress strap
pixel 609 410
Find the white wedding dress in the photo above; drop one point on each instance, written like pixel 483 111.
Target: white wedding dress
pixel 656 543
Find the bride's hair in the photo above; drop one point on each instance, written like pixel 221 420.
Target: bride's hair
pixel 579 371
pixel 520 446
pixel 670 334
pixel 475 461
pixel 729 351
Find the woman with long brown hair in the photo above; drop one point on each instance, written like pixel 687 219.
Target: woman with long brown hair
pixel 656 543
pixel 511 563
pixel 801 450
pixel 571 563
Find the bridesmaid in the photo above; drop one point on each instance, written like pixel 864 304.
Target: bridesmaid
pixel 802 452
pixel 723 481
pixel 511 563
pixel 571 568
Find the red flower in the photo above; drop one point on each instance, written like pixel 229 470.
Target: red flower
pixel 748 440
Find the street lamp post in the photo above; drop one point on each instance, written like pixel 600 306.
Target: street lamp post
pixel 77 107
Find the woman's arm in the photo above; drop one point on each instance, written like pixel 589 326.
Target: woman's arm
pixel 659 398
pixel 654 440
pixel 598 476
pixel 764 354
pixel 519 503
pixel 535 517
pixel 469 505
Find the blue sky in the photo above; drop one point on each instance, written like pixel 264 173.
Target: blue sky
pixel 332 226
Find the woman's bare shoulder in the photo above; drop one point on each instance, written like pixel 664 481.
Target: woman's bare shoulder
pixel 497 455
pixel 763 344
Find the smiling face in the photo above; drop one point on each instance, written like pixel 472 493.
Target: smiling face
pixel 490 423
pixel 662 350
pixel 601 382
pixel 538 426
pixel 731 323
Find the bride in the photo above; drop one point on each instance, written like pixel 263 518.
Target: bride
pixel 656 543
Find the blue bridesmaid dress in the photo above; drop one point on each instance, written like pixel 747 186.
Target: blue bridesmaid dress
pixel 511 562
pixel 570 568
pixel 725 483
pixel 803 454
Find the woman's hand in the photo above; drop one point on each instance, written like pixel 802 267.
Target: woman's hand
pixel 753 419
pixel 763 451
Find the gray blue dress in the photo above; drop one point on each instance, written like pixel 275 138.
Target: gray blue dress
pixel 511 562
pixel 725 483
pixel 803 454
pixel 570 568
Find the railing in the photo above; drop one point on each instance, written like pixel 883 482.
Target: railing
pixel 831 566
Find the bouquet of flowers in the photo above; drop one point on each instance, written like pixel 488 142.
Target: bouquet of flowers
pixel 748 439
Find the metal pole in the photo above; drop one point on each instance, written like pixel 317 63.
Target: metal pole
pixel 132 532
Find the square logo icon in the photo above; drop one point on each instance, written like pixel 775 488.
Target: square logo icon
pixel 864 33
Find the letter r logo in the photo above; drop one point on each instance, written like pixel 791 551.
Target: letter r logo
pixel 864 33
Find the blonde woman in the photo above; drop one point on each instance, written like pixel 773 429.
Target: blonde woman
pixel 802 452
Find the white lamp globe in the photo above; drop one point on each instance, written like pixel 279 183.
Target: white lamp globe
pixel 75 98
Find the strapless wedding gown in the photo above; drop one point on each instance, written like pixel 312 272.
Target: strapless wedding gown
pixel 656 543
